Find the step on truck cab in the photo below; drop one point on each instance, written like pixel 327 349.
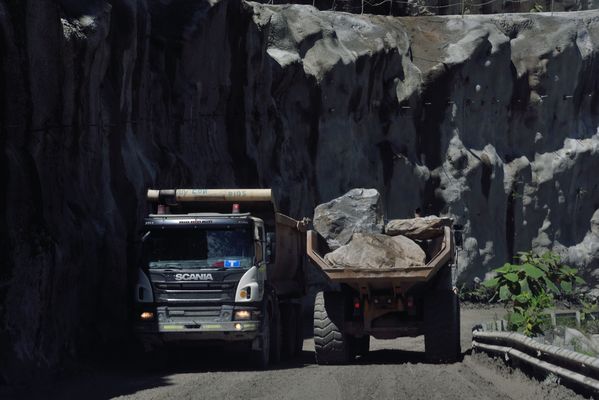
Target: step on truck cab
pixel 221 265
pixel 388 303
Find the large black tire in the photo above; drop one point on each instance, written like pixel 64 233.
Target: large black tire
pixel 261 357
pixel 288 327
pixel 442 319
pixel 299 330
pixel 276 335
pixel 331 344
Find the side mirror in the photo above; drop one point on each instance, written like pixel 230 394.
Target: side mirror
pixel 258 251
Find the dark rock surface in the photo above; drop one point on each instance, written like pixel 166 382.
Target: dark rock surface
pixel 443 7
pixel 372 251
pixel 491 120
pixel 359 210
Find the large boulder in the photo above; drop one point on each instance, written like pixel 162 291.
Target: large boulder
pixel 418 228
pixel 359 210
pixel 377 251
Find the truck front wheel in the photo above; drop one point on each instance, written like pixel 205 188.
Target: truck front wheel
pixel 331 344
pixel 442 319
pixel 261 357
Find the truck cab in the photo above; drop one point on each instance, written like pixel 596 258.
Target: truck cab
pixel 208 272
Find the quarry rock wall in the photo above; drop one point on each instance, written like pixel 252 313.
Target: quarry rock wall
pixel 492 120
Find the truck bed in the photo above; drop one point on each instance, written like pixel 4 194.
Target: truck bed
pixel 439 253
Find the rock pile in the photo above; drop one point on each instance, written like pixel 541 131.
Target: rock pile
pixel 359 210
pixel 377 251
pixel 353 228
pixel 417 228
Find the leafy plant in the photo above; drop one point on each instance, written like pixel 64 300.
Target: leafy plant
pixel 529 288
pixel 476 294
pixel 537 8
pixel 591 326
pixel 587 310
pixel 588 321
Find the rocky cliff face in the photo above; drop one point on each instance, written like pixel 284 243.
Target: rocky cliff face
pixel 489 119
pixel 445 7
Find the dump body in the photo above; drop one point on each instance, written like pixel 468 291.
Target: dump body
pixel 217 265
pixel 286 273
pixel 440 250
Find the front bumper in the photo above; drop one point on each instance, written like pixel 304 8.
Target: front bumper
pixel 182 323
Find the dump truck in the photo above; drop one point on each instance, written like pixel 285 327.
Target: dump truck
pixel 387 303
pixel 221 266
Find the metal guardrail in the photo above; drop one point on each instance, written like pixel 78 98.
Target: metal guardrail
pixel 570 365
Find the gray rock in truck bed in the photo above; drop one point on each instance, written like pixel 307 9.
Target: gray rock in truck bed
pixel 359 210
pixel 418 228
pixel 377 251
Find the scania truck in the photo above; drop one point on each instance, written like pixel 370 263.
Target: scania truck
pixel 221 265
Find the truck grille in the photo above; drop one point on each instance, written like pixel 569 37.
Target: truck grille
pixel 174 312
pixel 195 291
pixel 194 286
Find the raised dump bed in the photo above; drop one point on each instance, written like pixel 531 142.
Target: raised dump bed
pixel 405 300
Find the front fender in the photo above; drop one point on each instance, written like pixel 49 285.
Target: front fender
pixel 252 279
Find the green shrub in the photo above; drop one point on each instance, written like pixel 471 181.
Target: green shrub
pixel 537 8
pixel 529 288
pixel 476 294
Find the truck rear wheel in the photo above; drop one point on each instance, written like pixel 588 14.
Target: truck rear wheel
pixel 288 326
pixel 299 330
pixel 276 334
pixel 442 319
pixel 292 330
pixel 331 344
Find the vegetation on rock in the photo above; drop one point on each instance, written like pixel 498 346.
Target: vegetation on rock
pixel 530 287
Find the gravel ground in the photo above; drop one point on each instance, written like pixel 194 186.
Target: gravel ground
pixel 393 369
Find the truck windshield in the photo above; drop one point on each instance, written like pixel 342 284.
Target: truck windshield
pixel 200 248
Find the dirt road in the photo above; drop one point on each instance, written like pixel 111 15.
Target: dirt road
pixel 393 370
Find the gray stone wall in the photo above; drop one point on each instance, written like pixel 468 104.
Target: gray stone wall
pixel 489 119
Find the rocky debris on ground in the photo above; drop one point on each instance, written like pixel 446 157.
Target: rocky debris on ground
pixel 357 211
pixel 420 228
pixel 377 251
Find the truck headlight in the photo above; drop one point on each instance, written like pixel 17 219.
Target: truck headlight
pixel 242 315
pixel 146 316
